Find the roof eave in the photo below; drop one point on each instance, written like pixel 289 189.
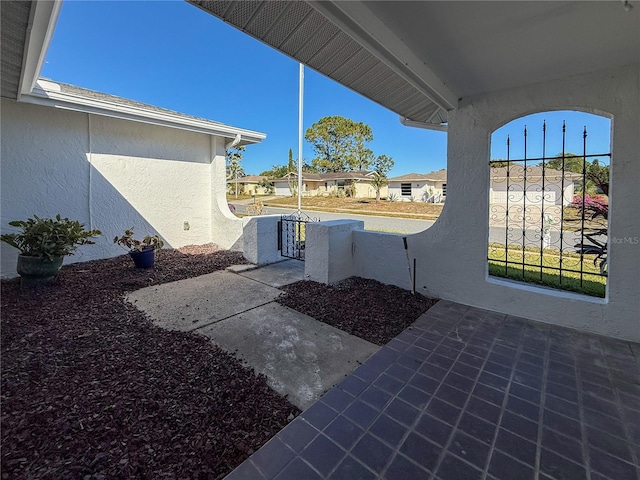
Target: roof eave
pixel 42 23
pixel 68 101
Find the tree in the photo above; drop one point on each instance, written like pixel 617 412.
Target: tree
pixel 360 157
pixel 339 144
pixel 291 166
pixel 234 167
pixel 381 167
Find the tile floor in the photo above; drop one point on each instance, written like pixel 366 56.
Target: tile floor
pixel 471 394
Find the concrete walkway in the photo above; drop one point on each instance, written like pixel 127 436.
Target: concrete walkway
pixel 301 357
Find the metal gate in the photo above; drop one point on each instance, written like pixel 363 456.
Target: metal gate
pixel 292 235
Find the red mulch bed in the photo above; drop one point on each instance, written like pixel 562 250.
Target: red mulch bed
pixel 91 389
pixel 365 308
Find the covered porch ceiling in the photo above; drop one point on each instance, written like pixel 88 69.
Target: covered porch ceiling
pixel 419 58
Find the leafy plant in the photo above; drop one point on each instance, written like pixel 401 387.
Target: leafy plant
pixel 133 244
pixel 47 237
pixel 392 197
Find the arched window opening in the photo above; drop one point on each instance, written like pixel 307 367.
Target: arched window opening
pixel 549 201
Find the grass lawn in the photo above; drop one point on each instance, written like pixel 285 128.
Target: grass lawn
pixel 363 206
pixel 535 272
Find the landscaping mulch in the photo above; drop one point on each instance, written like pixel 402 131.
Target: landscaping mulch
pixel 92 390
pixel 365 308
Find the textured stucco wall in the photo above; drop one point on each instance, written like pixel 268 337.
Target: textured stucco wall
pixel 329 250
pixel 452 253
pixel 109 174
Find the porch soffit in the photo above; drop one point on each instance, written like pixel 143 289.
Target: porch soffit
pixel 417 58
pixel 14 21
pixel 298 29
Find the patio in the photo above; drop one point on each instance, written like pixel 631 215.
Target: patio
pixel 467 393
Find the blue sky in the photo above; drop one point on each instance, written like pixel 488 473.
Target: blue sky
pixel 172 55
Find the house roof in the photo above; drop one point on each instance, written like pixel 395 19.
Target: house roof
pixel 437 176
pixel 71 97
pixel 419 59
pixel 252 179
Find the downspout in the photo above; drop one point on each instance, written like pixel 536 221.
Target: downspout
pixel 229 145
pixel 90 155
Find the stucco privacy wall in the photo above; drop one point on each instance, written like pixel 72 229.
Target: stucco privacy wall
pixel 452 253
pixel 110 174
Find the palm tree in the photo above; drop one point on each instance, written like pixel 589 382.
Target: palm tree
pixel 378 180
pixel 234 167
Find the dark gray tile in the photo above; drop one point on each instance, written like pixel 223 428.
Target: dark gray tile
pixel 452 395
pixel 402 469
pixel 343 431
pixel 389 384
pixel 297 470
pixel 421 451
pixel 361 413
pixel 433 429
pixel 492 380
pixel 602 406
pixel 528 369
pixel 410 361
pixel 497 369
pixel 367 373
pixel 372 452
pixel 452 467
pixel 604 423
pixel 516 446
pixel 609 444
pixel 353 385
pixel 520 426
pixel 424 383
pixel 526 393
pixel 443 411
pixel 472 360
pixel 560 423
pixel 322 454
pixel 375 397
pixel 489 394
pixel 337 399
pixel 433 371
pixel 532 381
pixel 559 405
pixel 458 381
pixel 272 457
pixel 523 408
pixel 485 410
pixel 566 393
pixel 503 467
pixel 387 429
pixel 440 361
pixel 415 397
pixel 399 372
pixel 350 469
pixel 470 449
pixel 319 415
pixel 477 428
pixel 245 471
pixel 560 468
pixel 562 445
pixel 466 370
pixel 401 411
pixel 297 434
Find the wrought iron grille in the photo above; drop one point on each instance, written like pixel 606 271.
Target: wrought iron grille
pixel 292 231
pixel 548 217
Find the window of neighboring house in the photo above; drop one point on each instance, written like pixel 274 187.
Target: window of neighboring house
pixel 405 188
pixel 444 189
pixel 341 185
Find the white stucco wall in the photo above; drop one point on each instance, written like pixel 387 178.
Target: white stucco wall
pixel 110 174
pixel 452 253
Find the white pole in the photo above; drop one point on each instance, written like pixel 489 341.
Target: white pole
pixel 300 109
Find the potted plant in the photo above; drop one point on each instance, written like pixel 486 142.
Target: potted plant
pixel 43 244
pixel 142 252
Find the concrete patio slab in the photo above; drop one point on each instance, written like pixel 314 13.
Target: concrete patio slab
pixel 193 303
pixel 301 357
pixel 277 274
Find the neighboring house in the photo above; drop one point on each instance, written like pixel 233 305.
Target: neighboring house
pixel 432 187
pixel 419 187
pixel 250 184
pixel 113 163
pixel 519 188
pixel 323 184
